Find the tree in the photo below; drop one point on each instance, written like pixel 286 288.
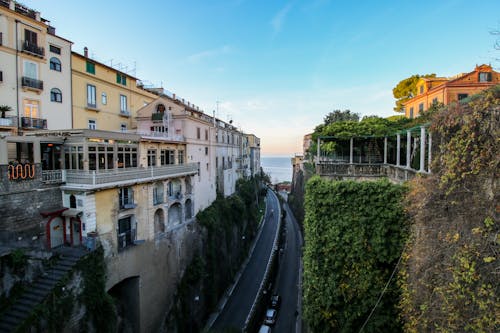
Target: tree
pixel 406 89
pixel 4 108
pixel 337 115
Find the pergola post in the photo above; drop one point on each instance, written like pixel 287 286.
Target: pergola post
pixel 385 150
pixel 351 151
pixel 429 153
pixel 422 149
pixel 398 149
pixel 408 149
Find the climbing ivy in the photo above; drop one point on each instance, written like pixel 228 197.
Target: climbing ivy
pixel 354 235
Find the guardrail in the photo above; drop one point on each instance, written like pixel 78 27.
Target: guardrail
pixel 346 170
pixel 78 177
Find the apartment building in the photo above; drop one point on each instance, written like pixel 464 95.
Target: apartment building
pixel 35 71
pixel 446 90
pixel 254 144
pixel 105 98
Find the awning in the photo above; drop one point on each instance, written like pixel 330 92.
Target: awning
pixel 72 212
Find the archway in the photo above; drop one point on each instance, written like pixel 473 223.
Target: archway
pixel 159 221
pixel 175 214
pixel 126 295
pixel 188 208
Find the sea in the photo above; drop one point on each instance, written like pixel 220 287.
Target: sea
pixel 279 168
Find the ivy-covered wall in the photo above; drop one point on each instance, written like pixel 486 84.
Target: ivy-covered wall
pixel 354 236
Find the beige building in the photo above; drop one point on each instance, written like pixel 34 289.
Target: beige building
pixel 103 97
pixel 35 71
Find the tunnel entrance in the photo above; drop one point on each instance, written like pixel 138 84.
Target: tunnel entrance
pixel 127 302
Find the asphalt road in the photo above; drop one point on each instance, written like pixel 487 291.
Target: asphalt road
pixel 287 281
pixel 240 301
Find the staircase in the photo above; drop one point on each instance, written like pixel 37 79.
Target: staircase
pixel 35 294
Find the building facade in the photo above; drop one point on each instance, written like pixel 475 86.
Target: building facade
pixel 448 90
pixel 35 71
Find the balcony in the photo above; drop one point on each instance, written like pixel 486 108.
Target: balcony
pixel 128 176
pixel 35 123
pixel 30 83
pixel 157 116
pixel 8 121
pixel 160 135
pixel 33 49
pixel 125 113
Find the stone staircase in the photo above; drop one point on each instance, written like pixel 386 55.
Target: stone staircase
pixel 36 293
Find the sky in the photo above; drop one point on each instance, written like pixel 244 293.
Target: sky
pixel 276 68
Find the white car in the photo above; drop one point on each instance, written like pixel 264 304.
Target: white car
pixel 265 329
pixel 270 317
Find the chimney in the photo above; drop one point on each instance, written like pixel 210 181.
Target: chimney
pixel 37 16
pixel 173 96
pixel 86 52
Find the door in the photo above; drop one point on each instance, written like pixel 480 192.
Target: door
pixel 76 226
pixel 56 229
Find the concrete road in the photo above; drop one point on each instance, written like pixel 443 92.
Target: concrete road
pixel 287 281
pixel 240 301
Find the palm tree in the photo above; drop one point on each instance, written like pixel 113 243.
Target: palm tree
pixel 5 108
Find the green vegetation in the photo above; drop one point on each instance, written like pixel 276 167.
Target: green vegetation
pixel 449 277
pixel 354 235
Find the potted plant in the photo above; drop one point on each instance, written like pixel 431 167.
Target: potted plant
pixel 4 108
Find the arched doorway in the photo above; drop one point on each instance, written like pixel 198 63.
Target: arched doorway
pixel 175 214
pixel 188 209
pixel 159 221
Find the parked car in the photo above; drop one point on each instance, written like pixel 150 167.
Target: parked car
pixel 270 317
pixel 265 329
pixel 275 302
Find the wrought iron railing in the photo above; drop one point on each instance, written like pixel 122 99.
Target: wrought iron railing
pixel 38 123
pixel 33 48
pixel 31 83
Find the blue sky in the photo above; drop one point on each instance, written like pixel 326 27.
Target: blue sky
pixel 278 67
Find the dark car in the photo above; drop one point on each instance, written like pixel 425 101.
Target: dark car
pixel 275 302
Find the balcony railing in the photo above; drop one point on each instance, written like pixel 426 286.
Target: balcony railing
pixel 10 121
pixel 52 176
pixel 32 83
pixel 33 48
pixel 163 135
pixel 37 123
pixel 125 113
pixel 97 178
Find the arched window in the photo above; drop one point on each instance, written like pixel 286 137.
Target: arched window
pixel 158 193
pixel 189 188
pixel 160 108
pixel 175 214
pixel 55 64
pixel 159 221
pixel 56 95
pixel 188 209
pixel 72 201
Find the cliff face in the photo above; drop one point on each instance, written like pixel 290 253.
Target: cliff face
pixel 450 277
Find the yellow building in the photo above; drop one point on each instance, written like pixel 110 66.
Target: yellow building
pixel 447 90
pixel 103 97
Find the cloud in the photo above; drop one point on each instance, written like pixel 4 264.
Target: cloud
pixel 202 55
pixel 278 20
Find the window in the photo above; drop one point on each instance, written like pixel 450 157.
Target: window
pixel 421 108
pixel 73 157
pixel 55 64
pixel 30 108
pixel 127 157
pixel 56 95
pixel 31 70
pixel 55 49
pixel 30 37
pixel 434 100
pixel 462 96
pixel 123 104
pixel 198 135
pixel 206 134
pixel 151 157
pixel 126 232
pixel 91 96
pixel 121 79
pixel 104 98
pixel 158 193
pixel 180 156
pixel 90 67
pixel 216 162
pixel 92 124
pixel 411 113
pixel 167 156
pixel 126 198
pixel 484 77
pixel 206 150
pixel 421 89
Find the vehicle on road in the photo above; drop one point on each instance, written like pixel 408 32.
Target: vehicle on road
pixel 275 302
pixel 265 329
pixel 270 317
